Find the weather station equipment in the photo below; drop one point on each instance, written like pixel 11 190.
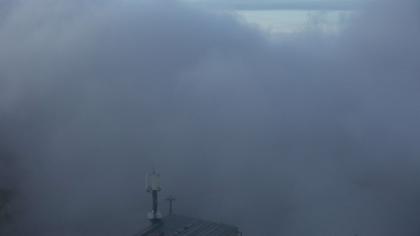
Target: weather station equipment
pixel 153 187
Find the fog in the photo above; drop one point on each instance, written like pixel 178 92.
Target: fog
pixel 301 134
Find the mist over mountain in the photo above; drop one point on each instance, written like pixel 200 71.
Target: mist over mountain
pixel 308 134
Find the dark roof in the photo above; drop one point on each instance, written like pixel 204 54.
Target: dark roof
pixel 176 225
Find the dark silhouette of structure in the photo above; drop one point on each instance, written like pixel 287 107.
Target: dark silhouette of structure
pixel 177 225
pixel 171 200
pixel 153 186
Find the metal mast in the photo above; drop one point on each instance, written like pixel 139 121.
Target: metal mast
pixel 171 200
pixel 153 186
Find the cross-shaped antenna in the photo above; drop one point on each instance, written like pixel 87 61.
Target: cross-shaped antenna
pixel 170 199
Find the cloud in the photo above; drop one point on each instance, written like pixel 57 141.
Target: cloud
pixel 313 134
pixel 272 5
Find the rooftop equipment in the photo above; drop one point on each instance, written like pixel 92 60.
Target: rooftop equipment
pixel 177 225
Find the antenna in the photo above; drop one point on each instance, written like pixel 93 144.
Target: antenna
pixel 153 186
pixel 170 199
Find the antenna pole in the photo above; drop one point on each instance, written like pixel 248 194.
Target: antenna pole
pixel 171 200
pixel 155 201
pixel 153 186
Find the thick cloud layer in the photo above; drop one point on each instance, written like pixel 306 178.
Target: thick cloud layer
pixel 309 135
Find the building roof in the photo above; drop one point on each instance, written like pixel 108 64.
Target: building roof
pixel 176 225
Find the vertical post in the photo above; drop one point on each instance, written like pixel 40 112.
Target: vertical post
pixel 171 200
pixel 153 186
pixel 155 202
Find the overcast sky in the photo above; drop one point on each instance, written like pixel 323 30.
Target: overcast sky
pixel 316 134
pixel 287 16
pixel 281 4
